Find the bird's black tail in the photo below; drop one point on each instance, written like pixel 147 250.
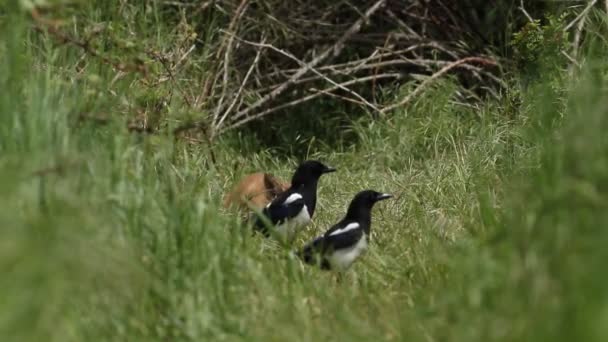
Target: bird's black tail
pixel 306 254
pixel 312 253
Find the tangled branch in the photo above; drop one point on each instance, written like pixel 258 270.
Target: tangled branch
pixel 261 58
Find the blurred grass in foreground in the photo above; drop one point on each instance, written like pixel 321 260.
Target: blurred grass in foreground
pixel 498 230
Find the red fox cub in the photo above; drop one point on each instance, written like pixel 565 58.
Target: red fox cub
pixel 255 190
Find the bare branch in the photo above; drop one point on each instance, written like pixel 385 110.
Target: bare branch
pixel 571 59
pixel 523 10
pixel 336 49
pixel 330 94
pixel 230 40
pixel 444 70
pixel 580 16
pixel 241 122
pixel 238 93
pixel 319 74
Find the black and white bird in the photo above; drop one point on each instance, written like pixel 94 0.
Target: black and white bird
pixel 346 241
pixel 294 208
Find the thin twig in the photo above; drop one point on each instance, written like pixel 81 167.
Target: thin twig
pixel 202 7
pixel 183 57
pixel 523 9
pixel 163 61
pixel 319 74
pixel 330 94
pixel 310 97
pixel 402 24
pixel 580 15
pixel 396 62
pixel 345 64
pixel 577 37
pixel 226 66
pixel 571 59
pixel 361 63
pixel 444 70
pixel 239 91
pixel 581 18
pixel 336 49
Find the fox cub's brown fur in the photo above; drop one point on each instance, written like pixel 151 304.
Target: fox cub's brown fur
pixel 255 190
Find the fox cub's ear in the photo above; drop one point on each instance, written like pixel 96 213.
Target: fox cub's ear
pixel 273 185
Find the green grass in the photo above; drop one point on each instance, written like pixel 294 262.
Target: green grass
pixel 497 232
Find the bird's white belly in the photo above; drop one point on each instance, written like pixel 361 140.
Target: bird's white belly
pixel 288 229
pixel 342 259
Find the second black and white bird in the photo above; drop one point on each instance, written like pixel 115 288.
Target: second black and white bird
pixel 294 208
pixel 346 241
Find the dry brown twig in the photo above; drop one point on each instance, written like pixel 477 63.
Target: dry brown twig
pixel 236 97
pixel 244 114
pixel 523 10
pixel 315 71
pixel 428 81
pixel 427 63
pixel 391 47
pixel 349 67
pixel 331 94
pixel 228 42
pixel 336 48
pixel 309 36
pixel 170 72
pixel 580 20
pixel 582 15
pixel 307 98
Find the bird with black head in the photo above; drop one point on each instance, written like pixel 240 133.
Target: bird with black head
pixel 347 240
pixel 294 208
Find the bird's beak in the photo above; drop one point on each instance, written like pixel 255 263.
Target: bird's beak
pixel 383 197
pixel 329 170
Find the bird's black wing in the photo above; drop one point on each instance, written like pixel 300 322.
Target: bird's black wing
pixel 338 240
pixel 278 211
pixel 314 253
